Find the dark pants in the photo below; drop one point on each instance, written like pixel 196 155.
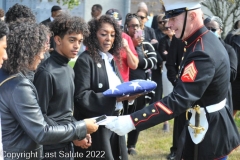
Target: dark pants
pixel 64 153
pixel 178 126
pixel 133 135
pixel 157 77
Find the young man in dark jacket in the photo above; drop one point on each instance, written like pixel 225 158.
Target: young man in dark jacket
pixel 54 80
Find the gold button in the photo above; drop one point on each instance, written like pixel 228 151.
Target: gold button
pixel 186 42
pixel 185 50
pixel 178 67
pixel 153 110
pixel 136 119
pixel 144 114
pixel 182 58
pixel 198 40
pixel 177 76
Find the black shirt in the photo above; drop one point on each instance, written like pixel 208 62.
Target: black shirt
pixel 54 81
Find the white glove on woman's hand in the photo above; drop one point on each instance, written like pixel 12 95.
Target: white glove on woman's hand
pixel 121 125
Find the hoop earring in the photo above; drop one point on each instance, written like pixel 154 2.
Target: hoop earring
pixel 113 45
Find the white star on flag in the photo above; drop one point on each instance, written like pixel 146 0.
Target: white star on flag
pixel 114 89
pixel 135 85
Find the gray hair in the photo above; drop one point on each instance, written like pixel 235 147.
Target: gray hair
pixel 142 5
pixel 218 20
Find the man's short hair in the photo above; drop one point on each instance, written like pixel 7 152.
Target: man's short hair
pixel 97 6
pixel 56 8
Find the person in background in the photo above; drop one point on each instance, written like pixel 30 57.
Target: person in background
pixel 161 26
pixel 56 98
pixel 234 41
pixel 157 72
pixel 96 11
pixel 149 34
pixel 147 60
pixel 18 11
pixel 21 114
pixel 236 26
pixel 3 42
pixel 203 81
pixel 174 58
pixel 143 5
pixel 1 14
pixel 55 11
pixel 3 57
pixel 163 48
pixel 215 25
pixel 95 72
pixel 128 54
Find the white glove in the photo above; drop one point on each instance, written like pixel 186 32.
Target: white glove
pixel 121 125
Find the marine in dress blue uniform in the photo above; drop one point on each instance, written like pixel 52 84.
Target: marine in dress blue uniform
pixel 203 79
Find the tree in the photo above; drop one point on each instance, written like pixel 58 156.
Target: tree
pixel 71 3
pixel 227 10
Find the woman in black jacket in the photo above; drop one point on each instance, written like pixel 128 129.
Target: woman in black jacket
pixel 95 72
pixel 147 60
pixel 23 125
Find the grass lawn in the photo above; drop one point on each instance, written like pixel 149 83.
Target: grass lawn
pixel 154 144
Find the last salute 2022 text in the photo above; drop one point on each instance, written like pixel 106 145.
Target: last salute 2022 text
pixel 87 154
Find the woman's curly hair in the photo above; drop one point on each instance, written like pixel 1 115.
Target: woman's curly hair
pixel 19 11
pixel 24 41
pixel 92 42
pixel 4 29
pixel 66 24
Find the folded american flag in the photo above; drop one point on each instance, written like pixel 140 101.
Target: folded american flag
pixel 131 88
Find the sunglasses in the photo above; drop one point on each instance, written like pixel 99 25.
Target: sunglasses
pixel 131 15
pixel 142 18
pixel 212 29
pixel 134 25
pixel 162 22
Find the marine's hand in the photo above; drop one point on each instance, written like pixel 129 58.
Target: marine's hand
pixel 121 125
pixel 84 143
pixel 91 125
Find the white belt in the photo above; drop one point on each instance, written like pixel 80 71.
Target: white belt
pixel 216 107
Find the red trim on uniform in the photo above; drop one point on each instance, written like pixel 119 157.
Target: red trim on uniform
pixel 192 33
pixel 163 107
pixel 197 38
pixel 190 73
pixel 157 112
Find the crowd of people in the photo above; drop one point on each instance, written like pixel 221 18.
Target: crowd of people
pixel 48 108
